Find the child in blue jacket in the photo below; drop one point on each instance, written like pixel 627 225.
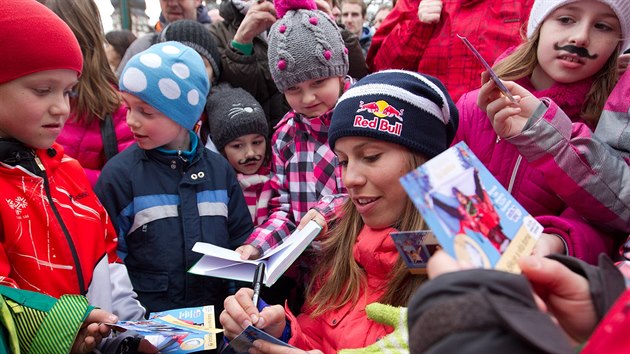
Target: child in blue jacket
pixel 167 191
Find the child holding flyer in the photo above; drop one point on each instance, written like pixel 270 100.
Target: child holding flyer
pixel 359 263
pixel 56 237
pixel 167 191
pixel 312 77
pixel 570 59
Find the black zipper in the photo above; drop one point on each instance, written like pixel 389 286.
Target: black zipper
pixel 73 250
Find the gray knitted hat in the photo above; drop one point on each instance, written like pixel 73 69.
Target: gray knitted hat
pixel 232 113
pixel 304 44
pixel 198 37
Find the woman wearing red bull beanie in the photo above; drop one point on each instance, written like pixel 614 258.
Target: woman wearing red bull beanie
pixel 56 238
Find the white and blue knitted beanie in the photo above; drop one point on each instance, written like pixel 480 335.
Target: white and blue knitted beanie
pixel 304 44
pixel 172 78
pixel 400 107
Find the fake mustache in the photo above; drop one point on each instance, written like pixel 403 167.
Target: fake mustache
pixel 579 51
pixel 251 159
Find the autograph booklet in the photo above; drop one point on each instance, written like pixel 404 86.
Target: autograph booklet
pixel 184 330
pixel 225 263
pixel 472 216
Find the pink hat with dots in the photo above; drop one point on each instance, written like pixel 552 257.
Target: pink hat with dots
pixel 304 44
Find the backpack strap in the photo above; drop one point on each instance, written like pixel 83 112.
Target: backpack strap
pixel 108 135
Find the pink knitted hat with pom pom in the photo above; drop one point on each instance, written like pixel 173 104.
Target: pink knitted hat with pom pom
pixel 304 44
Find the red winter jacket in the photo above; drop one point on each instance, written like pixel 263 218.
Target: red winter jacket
pixel 403 42
pixel 85 144
pixel 55 236
pixel 348 326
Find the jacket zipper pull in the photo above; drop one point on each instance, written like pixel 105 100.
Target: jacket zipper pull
pixel 39 163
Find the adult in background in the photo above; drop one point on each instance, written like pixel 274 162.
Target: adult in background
pixel 172 10
pixel 353 18
pixel 241 38
pixel 96 129
pixel 421 35
pixel 380 15
pixel 117 43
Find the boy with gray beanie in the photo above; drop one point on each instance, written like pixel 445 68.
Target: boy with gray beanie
pixel 167 191
pixel 312 77
pixel 239 131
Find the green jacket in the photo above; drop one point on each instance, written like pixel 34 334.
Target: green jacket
pixel 37 323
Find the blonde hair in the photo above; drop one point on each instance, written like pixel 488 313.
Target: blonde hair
pixel 522 62
pixel 96 91
pixel 339 278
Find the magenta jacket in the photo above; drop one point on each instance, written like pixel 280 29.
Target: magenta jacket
pixel 528 184
pixel 85 143
pixel 579 164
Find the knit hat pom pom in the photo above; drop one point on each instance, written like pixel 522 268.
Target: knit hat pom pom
pixel 282 6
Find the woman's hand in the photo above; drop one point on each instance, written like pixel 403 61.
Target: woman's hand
pixel 240 312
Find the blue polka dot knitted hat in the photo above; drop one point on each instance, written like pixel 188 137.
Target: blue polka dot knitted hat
pixel 400 107
pixel 170 77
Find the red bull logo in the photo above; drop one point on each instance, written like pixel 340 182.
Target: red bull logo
pixel 381 110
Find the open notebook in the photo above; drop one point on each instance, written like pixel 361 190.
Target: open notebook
pixel 225 263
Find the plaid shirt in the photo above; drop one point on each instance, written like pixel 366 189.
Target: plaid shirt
pixel 306 169
pixel 403 42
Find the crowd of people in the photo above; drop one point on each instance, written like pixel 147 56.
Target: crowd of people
pixel 238 125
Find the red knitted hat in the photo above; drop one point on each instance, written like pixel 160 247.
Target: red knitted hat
pixel 33 39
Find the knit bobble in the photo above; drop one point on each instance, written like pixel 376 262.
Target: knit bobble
pixel 282 28
pixel 327 54
pixel 313 21
pixel 282 64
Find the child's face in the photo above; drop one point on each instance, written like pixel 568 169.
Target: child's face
pixel 575 42
pixel 35 107
pixel 314 97
pixel 246 153
pixel 151 128
pixel 370 170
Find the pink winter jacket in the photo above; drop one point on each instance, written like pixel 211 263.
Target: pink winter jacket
pixel 526 183
pixel 85 143
pixel 579 164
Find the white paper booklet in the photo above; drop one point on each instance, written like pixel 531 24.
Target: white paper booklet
pixel 225 263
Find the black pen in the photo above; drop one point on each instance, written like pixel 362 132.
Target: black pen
pixel 259 276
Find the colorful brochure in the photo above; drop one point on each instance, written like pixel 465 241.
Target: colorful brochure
pixel 472 216
pixel 185 330
pixel 415 248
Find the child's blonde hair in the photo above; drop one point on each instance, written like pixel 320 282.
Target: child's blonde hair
pixel 97 95
pixel 343 277
pixel 522 62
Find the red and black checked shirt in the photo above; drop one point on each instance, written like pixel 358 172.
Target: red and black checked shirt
pixel 403 42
